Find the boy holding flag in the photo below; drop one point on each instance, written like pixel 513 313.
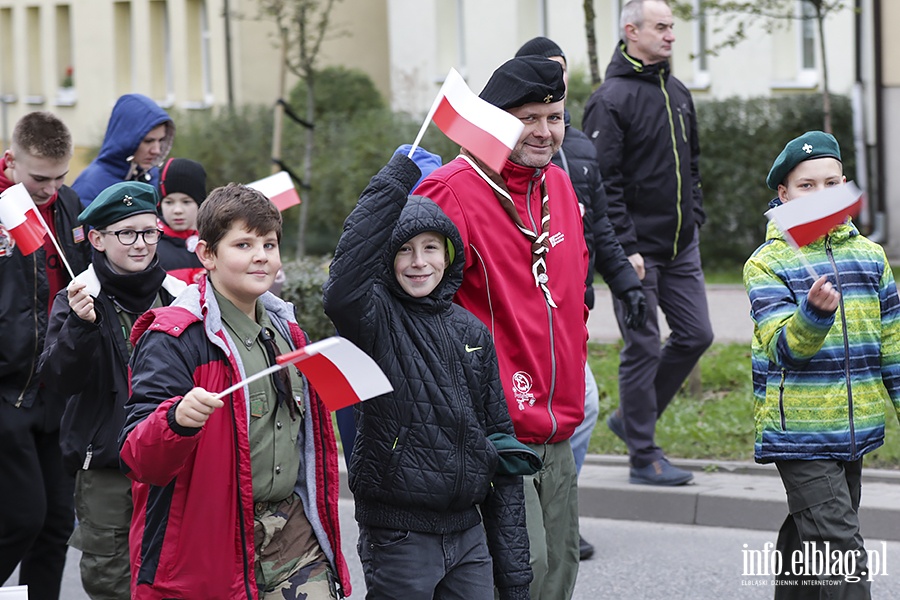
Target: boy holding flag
pixel 233 497
pixel 85 359
pixel 424 472
pixel 826 357
pixel 36 515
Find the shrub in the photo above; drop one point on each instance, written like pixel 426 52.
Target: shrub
pixel 739 140
pixel 303 288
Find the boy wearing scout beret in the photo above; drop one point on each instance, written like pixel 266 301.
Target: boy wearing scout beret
pixel 826 357
pixel 85 358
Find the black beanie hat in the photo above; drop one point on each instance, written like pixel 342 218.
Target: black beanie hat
pixel 523 80
pixel 184 176
pixel 541 46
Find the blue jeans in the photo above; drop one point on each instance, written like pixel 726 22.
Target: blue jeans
pixel 410 564
pixel 582 436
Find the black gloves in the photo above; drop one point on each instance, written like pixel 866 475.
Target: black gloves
pixel 635 308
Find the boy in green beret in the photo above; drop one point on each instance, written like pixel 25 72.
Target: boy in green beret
pixel 85 359
pixel 826 357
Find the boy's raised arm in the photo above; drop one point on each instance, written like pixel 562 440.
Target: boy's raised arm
pixel 366 233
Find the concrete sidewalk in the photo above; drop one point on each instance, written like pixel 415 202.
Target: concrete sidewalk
pixel 724 494
pixel 729 313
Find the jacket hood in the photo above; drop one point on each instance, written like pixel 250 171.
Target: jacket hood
pixel 419 215
pixel 132 118
pixel 624 65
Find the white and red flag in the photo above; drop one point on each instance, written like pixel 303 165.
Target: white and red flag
pixel 279 188
pixel 20 217
pixel 488 132
pixel 807 218
pixel 341 373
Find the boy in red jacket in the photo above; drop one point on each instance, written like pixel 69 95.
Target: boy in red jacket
pixel 233 497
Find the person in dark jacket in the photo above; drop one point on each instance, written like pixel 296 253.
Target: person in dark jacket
pixel 85 359
pixel 423 464
pixel 577 157
pixel 644 128
pixel 138 138
pixel 182 188
pixel 36 515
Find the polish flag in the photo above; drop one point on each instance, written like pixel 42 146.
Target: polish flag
pixel 341 373
pixel 19 216
pixel 806 219
pixel 279 189
pixel 488 132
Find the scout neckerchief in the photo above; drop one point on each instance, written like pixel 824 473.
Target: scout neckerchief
pixel 540 244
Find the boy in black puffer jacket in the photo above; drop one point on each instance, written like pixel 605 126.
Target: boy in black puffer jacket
pixel 422 463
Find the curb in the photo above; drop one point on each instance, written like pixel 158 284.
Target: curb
pixel 734 494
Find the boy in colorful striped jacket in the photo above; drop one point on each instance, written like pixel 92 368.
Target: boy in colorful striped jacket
pixel 826 357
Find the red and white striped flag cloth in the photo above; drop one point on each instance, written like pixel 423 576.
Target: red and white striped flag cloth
pixel 279 189
pixel 488 132
pixel 341 373
pixel 806 219
pixel 19 216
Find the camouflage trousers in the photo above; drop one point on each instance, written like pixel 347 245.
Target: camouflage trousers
pixel 290 564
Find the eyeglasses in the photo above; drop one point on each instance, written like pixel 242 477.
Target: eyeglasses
pixel 127 237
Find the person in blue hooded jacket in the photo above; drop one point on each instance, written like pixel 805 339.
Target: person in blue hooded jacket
pixel 138 138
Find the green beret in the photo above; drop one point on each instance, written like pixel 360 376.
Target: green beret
pixel 120 201
pixel 812 144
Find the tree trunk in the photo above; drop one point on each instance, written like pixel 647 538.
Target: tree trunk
pixel 279 108
pixel 307 168
pixel 826 96
pixel 589 31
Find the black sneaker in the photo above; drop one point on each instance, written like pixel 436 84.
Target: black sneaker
pixel 660 472
pixel 585 548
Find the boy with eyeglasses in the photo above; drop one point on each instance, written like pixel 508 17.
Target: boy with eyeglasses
pixel 85 359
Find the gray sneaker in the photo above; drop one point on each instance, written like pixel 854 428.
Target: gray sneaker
pixel 660 472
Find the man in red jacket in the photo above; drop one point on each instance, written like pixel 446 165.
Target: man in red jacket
pixel 525 260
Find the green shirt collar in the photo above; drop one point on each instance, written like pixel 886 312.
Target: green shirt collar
pixel 243 326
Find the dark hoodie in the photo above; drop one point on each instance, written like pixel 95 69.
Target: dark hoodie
pixel 422 460
pixel 132 118
pixel 644 128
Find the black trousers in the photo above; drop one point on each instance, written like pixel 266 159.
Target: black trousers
pixel 823 500
pixel 36 503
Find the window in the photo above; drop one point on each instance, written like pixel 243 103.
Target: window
pixel 65 69
pixel 124 48
pixel 198 67
pixel 700 46
pixel 616 18
pixel 34 93
pixel 807 41
pixel 161 87
pixel 7 62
